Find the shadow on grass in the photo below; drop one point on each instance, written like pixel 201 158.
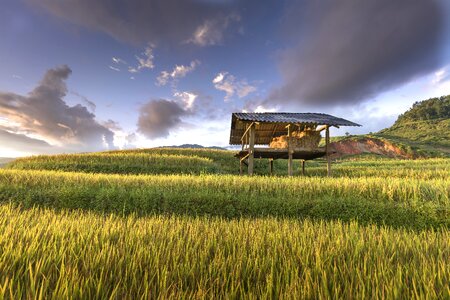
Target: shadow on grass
pixel 127 200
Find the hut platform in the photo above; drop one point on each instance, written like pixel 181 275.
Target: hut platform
pixel 275 153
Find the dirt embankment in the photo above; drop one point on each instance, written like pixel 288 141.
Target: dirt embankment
pixel 367 145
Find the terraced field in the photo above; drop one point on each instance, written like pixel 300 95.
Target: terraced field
pixel 179 223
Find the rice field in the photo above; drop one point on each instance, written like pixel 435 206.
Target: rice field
pixel 206 161
pixel 397 202
pixel 114 163
pixel 48 254
pixel 178 223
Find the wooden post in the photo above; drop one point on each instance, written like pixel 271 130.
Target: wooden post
pixel 246 138
pixel 290 168
pixel 271 166
pixel 327 150
pixel 251 149
pixel 303 167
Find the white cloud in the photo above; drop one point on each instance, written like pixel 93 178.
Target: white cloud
pixel 215 133
pixel 187 99
pixel 219 77
pixel 114 68
pixel 145 61
pixel 16 76
pixel 178 71
pixel 441 76
pixel 122 139
pixel 231 86
pixel 261 108
pixel 211 31
pixel 163 78
pixel 118 60
pixel 244 89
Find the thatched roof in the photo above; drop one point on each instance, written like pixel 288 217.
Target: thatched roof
pixel 274 124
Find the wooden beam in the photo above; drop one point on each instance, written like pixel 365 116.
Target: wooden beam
pixel 245 156
pixel 248 129
pixel 251 149
pixel 290 168
pixel 321 128
pixel 327 150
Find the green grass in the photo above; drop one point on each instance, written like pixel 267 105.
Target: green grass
pixel 223 159
pixel 204 161
pixel 78 255
pixel 426 123
pixel 384 168
pixel 179 223
pixel 397 202
pixel 114 163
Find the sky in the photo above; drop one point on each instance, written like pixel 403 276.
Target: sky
pixel 82 75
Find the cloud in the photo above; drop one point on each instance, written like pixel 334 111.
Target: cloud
pixel 231 86
pixel 178 71
pixel 88 102
pixel 142 21
pixel 45 115
pixel 211 31
pixel 14 141
pixel 122 139
pixel 112 125
pixel 259 109
pixel 187 99
pixel 145 61
pixel 441 76
pixel 157 117
pixel 118 61
pixel 15 76
pixel 349 51
pixel 114 68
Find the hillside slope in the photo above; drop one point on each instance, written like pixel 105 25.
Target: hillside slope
pixel 422 131
pixel 371 144
pixel 427 123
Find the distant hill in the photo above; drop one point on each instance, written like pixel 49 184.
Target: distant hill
pixel 422 131
pixel 426 124
pixel 5 160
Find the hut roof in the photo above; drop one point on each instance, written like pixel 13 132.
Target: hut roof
pixel 274 124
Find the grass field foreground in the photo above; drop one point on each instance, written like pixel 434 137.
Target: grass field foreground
pixel 179 223
pixel 398 202
pixel 79 255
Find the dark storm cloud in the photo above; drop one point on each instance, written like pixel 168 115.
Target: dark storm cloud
pixel 142 21
pixel 158 117
pixel 86 101
pixel 44 113
pixel 348 51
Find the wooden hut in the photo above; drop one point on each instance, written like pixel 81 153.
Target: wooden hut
pixel 284 135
